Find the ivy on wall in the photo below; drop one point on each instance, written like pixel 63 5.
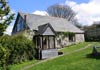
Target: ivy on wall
pixel 65 34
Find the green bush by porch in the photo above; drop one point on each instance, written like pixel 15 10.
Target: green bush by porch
pixel 15 49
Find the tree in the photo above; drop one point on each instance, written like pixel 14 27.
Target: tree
pixel 77 24
pixel 63 11
pixel 5 16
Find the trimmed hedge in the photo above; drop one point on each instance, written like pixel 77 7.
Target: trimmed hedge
pixel 15 49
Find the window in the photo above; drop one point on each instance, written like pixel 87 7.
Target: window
pixel 20 25
pixel 71 38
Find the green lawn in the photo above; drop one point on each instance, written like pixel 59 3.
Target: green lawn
pixel 98 46
pixel 20 66
pixel 76 61
pixel 73 47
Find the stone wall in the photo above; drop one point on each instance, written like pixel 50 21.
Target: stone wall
pixel 64 41
pixel 49 53
pixel 79 38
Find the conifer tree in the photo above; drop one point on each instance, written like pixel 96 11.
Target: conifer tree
pixel 5 16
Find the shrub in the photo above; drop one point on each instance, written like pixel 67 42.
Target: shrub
pixel 3 57
pixel 17 48
pixel 22 49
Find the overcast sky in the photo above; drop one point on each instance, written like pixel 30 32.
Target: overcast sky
pixel 87 10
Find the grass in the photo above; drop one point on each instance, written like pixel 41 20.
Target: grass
pixel 73 47
pixel 97 45
pixel 98 49
pixel 20 66
pixel 76 61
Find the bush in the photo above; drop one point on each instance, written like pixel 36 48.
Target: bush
pixel 3 57
pixel 17 48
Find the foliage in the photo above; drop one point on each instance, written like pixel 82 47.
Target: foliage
pixel 92 32
pixel 66 33
pixel 3 57
pixel 63 11
pixel 2 28
pixel 17 48
pixel 5 16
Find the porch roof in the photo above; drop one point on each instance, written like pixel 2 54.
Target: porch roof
pixel 42 30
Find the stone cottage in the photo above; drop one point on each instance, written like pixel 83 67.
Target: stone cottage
pixel 48 33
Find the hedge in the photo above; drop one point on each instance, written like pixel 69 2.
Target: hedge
pixel 15 49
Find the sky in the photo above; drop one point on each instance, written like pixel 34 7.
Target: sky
pixel 33 5
pixel 87 10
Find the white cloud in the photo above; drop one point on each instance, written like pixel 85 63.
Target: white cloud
pixel 86 12
pixel 43 13
pixel 9 29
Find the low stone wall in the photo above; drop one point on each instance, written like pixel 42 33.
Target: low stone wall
pixel 49 53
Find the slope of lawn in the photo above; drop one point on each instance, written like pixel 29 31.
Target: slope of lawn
pixel 73 47
pixel 20 66
pixel 65 50
pixel 76 61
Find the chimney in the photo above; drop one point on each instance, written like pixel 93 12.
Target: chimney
pixel 25 16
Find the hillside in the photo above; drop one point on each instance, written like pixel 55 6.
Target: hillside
pixel 78 60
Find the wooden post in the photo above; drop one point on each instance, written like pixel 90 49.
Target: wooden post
pixel 36 42
pixel 48 43
pixel 42 43
pixel 75 38
pixel 54 42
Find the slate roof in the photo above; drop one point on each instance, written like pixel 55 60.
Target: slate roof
pixel 59 24
pixel 42 28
